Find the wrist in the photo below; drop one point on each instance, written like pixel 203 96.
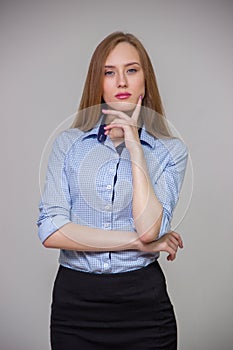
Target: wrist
pixel 136 152
pixel 136 244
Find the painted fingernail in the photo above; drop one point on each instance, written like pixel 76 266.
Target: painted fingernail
pixel 140 97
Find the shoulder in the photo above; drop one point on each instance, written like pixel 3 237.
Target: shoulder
pixel 173 144
pixel 66 139
pixel 174 150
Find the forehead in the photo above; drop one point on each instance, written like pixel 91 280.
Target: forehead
pixel 122 53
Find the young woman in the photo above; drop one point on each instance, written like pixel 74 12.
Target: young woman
pixel 112 184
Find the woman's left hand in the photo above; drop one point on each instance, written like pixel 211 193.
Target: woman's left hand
pixel 170 242
pixel 129 125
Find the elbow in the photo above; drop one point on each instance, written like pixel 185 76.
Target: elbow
pixel 149 236
pixel 50 241
pixel 145 238
pixel 153 233
pixel 46 243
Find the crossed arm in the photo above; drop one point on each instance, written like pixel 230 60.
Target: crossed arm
pixel 147 210
pixel 82 238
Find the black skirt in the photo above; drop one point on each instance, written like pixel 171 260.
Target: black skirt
pixel 121 311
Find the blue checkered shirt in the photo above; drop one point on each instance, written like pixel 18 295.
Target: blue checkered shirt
pixel 89 183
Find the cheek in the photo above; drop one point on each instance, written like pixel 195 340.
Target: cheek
pixel 140 85
pixel 106 89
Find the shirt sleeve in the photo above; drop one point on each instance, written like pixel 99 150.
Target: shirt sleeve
pixel 169 183
pixel 55 203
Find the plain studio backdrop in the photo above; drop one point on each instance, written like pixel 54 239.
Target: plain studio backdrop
pixel 46 47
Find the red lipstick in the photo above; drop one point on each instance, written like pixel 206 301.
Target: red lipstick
pixel 123 95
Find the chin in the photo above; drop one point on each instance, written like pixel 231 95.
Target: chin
pixel 122 106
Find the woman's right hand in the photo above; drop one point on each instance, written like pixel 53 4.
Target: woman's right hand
pixel 170 242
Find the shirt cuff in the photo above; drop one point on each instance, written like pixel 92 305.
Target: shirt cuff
pixel 50 225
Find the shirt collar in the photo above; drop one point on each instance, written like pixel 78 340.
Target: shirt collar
pixel 94 131
pixel 145 137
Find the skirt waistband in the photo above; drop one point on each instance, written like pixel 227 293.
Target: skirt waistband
pixel 106 276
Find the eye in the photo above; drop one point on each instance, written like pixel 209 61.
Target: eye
pixel 132 70
pixel 109 73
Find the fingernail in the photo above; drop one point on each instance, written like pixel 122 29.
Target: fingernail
pixel 140 97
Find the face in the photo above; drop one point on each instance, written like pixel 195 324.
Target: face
pixel 123 78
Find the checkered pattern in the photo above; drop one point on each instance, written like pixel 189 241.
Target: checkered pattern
pixel 85 175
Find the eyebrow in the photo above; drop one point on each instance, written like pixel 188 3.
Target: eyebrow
pixel 126 65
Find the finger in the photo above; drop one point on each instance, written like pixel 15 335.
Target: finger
pixel 178 237
pixel 171 257
pixel 173 242
pixel 117 123
pixel 169 247
pixel 172 247
pixel 112 126
pixel 137 109
pixel 119 114
pixel 181 244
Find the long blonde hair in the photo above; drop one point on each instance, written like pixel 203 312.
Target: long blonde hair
pixel 152 116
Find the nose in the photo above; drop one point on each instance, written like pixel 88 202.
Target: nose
pixel 122 81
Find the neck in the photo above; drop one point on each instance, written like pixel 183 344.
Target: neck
pixel 117 136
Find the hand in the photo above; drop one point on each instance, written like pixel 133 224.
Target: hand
pixel 129 125
pixel 170 242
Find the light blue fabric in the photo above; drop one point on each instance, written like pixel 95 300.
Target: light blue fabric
pixel 79 188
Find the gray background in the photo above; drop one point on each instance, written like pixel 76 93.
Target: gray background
pixel 45 51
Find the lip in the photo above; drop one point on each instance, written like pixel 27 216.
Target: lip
pixel 123 95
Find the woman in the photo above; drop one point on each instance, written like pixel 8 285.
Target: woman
pixel 112 184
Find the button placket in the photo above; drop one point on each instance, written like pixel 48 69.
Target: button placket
pixel 109 177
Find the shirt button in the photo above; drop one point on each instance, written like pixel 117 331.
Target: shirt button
pixel 106 224
pixel 107 207
pixel 106 265
pixel 109 187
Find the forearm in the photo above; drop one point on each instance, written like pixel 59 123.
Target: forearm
pixel 83 238
pixel 147 210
